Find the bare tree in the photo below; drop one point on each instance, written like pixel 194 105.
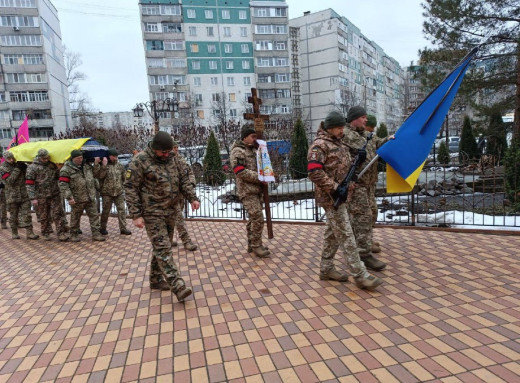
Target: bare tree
pixel 79 102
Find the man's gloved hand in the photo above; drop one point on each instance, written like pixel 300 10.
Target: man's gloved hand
pixel 362 153
pixel 1 185
pixel 21 165
pixel 340 193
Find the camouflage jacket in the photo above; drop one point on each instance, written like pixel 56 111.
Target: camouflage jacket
pixel 329 161
pixel 243 162
pixel 355 139
pixel 42 180
pixel 371 175
pixel 111 178
pixel 14 182
pixel 77 182
pixel 153 185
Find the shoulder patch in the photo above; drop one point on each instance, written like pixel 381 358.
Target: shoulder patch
pixel 128 174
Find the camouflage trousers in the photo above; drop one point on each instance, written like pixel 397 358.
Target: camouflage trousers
pixel 76 211
pixel 373 204
pixel 51 210
pixel 162 265
pixel 180 223
pixel 361 218
pixel 3 208
pixel 339 235
pixel 255 224
pixel 20 215
pixel 119 201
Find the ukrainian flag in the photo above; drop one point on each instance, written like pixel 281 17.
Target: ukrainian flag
pixel 59 150
pixel 406 154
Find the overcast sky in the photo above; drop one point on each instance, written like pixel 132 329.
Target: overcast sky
pixel 108 37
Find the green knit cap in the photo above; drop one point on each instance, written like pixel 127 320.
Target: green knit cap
pixel 371 121
pixel 76 153
pixel 333 120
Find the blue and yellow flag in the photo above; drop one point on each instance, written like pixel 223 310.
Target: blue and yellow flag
pixel 59 150
pixel 405 156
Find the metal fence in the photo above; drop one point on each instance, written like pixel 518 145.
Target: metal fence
pixel 443 196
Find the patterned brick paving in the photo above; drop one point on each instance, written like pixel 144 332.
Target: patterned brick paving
pixel 449 311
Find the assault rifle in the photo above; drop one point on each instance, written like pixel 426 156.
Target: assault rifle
pixel 341 193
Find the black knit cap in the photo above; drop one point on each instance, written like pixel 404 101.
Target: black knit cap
pixel 162 141
pixel 247 129
pixel 333 120
pixel 76 153
pixel 355 112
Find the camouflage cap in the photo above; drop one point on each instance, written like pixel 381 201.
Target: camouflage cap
pixel 43 153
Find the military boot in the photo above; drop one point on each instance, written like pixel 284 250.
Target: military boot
pixel 63 237
pixel 98 237
pixel 46 237
pixel 368 283
pixel 250 248
pixel 174 243
pixel 372 262
pixel 333 275
pixel 261 252
pixel 160 285
pixel 30 234
pixel 376 247
pixel 74 238
pixel 126 232
pixel 190 246
pixel 103 231
pixel 181 291
pixel 14 233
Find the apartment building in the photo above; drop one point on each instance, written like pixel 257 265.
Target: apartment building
pixel 32 72
pixel 340 67
pixel 208 54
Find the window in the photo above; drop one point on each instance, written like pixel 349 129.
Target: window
pixel 212 48
pixel 151 27
pixel 154 45
pixel 264 45
pixel 215 97
pixel 208 13
pixel 232 112
pixel 171 28
pixel 18 3
pixel 213 65
pixel 21 59
pixel 261 12
pixel 243 31
pixel 151 9
pixel 225 14
pixel 196 81
pixel 280 12
pixel 192 31
pixel 247 80
pixel 198 99
pixel 195 65
pixel 231 81
pixel 175 63
pixel 280 46
pixel 41 114
pixel 246 64
pixel 209 31
pixel 244 48
pixel 214 81
pixel 18 21
pixel 282 77
pixel 283 93
pixel 227 31
pixel 30 96
pixel 194 48
pixel 284 109
pixel 232 97
pixel 265 78
pixel 22 78
pixel 228 48
pixel 173 45
pixel 282 61
pixel 22 40
pixel 191 14
pixel 171 10
pixel 263 29
pixel 279 29
pixel 155 63
pixel 229 65
pixel 242 15
pixel 200 114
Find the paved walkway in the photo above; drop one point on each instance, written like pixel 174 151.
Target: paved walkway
pixel 449 311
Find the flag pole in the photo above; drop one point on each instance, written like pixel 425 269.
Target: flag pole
pixel 365 169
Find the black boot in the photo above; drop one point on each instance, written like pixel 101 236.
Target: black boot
pixel 372 262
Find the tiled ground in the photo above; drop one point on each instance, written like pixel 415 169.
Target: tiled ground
pixel 449 311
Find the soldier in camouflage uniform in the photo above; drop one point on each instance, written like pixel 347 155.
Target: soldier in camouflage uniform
pixel 42 186
pixel 360 205
pixel 13 176
pixel 179 217
pixel 77 187
pixel 328 162
pixel 249 188
pixel 111 176
pixel 3 206
pixel 154 179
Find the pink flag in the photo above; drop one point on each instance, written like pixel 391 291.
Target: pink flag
pixel 21 137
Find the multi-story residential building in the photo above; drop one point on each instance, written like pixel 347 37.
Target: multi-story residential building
pixel 339 67
pixel 113 120
pixel 32 73
pixel 208 54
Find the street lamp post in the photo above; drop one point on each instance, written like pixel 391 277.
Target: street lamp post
pixel 154 108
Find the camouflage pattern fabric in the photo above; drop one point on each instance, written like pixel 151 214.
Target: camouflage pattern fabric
pixel 328 162
pixel 76 211
pixel 42 185
pixel 152 185
pixel 255 223
pixel 361 217
pixel 339 235
pixel 107 202
pixel 373 204
pixel 111 178
pixel 162 265
pixel 17 199
pixel 249 189
pixel 3 206
pixel 180 201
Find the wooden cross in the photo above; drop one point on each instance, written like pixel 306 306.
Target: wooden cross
pixel 256 117
pixel 259 127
